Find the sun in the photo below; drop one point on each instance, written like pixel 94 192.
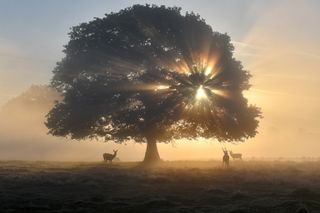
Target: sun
pixel 201 94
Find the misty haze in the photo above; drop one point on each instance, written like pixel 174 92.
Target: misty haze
pixel 137 106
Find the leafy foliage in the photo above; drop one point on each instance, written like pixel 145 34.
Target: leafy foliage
pixel 135 74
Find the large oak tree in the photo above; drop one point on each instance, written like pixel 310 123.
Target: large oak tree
pixel 151 74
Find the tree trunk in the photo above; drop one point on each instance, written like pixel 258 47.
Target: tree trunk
pixel 152 154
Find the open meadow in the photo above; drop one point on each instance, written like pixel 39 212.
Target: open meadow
pixel 180 186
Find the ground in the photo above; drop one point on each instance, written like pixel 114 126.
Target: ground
pixel 247 186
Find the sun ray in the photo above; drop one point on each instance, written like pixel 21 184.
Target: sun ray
pixel 221 93
pixel 162 87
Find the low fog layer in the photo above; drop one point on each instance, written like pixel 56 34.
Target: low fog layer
pixel 23 135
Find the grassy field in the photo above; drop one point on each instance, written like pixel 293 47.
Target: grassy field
pixel 248 186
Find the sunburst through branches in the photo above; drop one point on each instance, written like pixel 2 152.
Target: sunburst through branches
pixel 199 85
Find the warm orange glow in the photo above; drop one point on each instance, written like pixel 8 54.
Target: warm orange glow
pixel 177 65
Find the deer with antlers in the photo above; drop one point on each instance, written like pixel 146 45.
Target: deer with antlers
pixel 225 158
pixel 109 157
pixel 235 155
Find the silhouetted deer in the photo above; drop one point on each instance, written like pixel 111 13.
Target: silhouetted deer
pixel 225 159
pixel 236 155
pixel 109 157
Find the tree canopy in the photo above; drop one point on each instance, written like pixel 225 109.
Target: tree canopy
pixel 149 72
